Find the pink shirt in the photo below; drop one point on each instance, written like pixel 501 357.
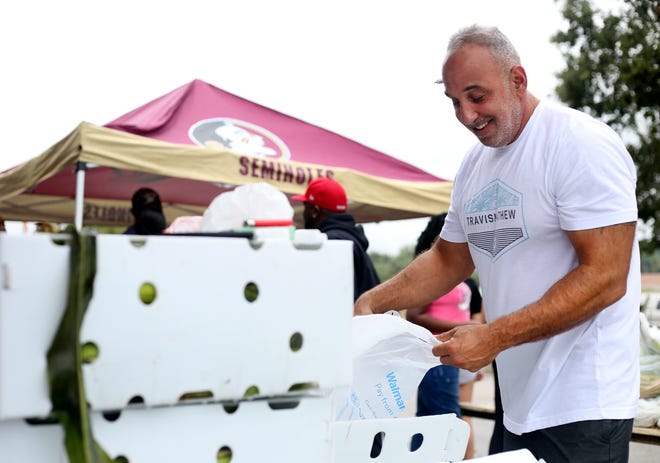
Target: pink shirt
pixel 453 306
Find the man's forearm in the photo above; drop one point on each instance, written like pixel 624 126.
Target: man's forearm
pixel 397 293
pixel 429 276
pixel 567 304
pixel 594 285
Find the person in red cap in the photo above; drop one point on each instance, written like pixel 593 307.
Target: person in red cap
pixel 326 209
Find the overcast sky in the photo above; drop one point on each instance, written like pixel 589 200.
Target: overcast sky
pixel 362 68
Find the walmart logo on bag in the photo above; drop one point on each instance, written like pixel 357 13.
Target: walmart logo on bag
pixel 396 394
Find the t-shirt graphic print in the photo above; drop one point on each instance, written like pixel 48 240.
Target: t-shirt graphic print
pixel 494 219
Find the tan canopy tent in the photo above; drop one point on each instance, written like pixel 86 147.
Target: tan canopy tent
pixel 103 165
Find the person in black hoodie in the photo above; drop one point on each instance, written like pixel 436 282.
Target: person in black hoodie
pixel 326 209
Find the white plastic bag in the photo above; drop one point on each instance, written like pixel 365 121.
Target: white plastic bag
pixel 648 413
pixel 231 209
pixel 390 358
pixel 649 359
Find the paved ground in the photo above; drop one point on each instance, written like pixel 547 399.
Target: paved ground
pixel 483 394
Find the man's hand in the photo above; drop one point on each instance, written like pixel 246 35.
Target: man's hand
pixel 362 306
pixel 470 347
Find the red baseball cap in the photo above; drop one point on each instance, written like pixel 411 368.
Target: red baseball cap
pixel 325 193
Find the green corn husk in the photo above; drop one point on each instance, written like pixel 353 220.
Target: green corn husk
pixel 67 391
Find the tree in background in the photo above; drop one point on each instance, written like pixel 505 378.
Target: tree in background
pixel 612 72
pixel 651 262
pixel 387 266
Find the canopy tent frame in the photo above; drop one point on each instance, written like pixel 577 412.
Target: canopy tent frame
pixel 181 145
pixel 81 167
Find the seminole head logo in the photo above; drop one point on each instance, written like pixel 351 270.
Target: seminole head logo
pixel 240 136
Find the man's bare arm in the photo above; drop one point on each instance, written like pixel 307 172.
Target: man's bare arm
pixel 598 281
pixel 430 275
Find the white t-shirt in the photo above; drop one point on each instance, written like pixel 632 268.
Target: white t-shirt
pixel 512 205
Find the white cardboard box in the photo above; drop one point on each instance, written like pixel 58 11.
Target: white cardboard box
pixel 254 432
pixel 200 334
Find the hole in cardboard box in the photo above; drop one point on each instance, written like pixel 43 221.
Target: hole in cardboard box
pixel 136 400
pixel 256 245
pixel 416 442
pixel 296 341
pixel 224 454
pixel 251 391
pixel 377 444
pixel 230 407
pixel 60 239
pixel 147 292
pixel 195 395
pixel 283 404
pixel 42 421
pixel 137 242
pixel 299 387
pixel 112 415
pixel 89 352
pixel 251 292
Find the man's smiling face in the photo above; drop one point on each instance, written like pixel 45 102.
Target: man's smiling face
pixel 484 95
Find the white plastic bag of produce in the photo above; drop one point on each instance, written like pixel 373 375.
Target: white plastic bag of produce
pixel 390 358
pixel 649 359
pixel 231 209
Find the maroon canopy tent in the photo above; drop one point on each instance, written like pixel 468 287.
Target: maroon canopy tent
pixel 196 142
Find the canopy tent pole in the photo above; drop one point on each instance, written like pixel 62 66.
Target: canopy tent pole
pixel 81 167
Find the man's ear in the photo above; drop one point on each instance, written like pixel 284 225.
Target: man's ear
pixel 519 77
